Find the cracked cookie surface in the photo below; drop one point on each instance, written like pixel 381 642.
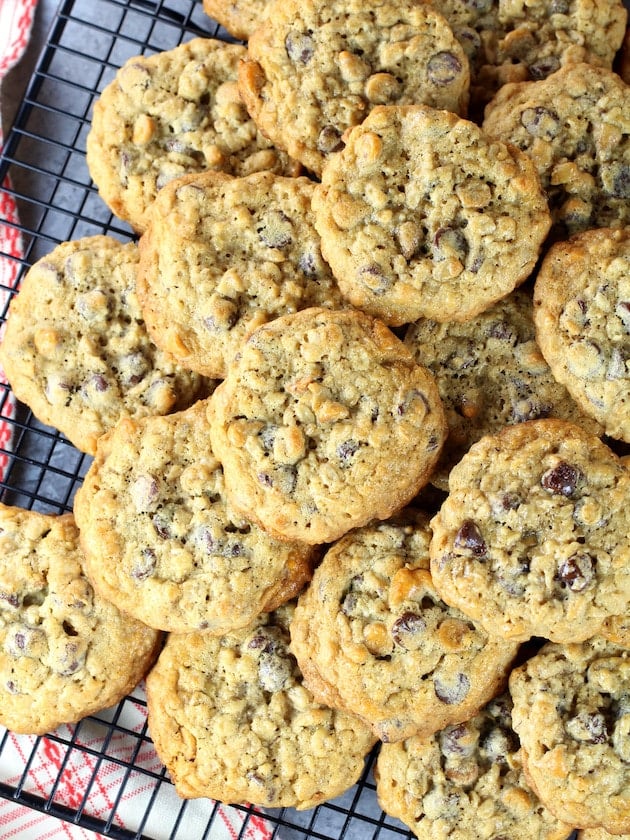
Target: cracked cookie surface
pixel 65 652
pixel 323 423
pixel 532 538
pixel 76 349
pixel 423 215
pixel 162 541
pixel 231 719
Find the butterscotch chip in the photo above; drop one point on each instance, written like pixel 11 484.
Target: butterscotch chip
pixel 324 422
pixel 423 215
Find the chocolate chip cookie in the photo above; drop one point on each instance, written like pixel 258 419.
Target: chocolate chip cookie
pixel 161 540
pixel 223 255
pixel 65 652
pixel 324 422
pixel 231 719
pixel 76 349
pixel 315 68
pixel 532 538
pixel 422 215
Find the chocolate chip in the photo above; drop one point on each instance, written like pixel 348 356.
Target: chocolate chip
pixel 265 479
pixel 616 179
pixel 145 565
pixel 274 671
pixel 267 436
pixel 99 383
pixel 406 627
pixel 469 536
pixel 450 242
pixel 276 230
pixel 544 67
pixel 541 122
pixel 589 727
pixel 72 660
pixel 308 264
pixel 373 277
pixel 162 526
pixel 454 691
pixel 346 451
pixel 329 140
pixel 300 47
pixel 577 572
pixel 561 480
pixel 456 741
pixel 498 744
pixel 443 68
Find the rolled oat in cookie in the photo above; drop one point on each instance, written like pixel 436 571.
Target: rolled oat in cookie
pixel 422 215
pixel 465 781
pixel 572 715
pixel 77 351
pixel 315 68
pixel 65 652
pixel 324 422
pixel 532 538
pixel 231 720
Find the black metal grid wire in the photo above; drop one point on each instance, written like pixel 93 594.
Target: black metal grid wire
pixel 44 157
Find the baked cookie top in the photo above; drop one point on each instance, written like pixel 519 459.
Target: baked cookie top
pixel 490 373
pixel 324 422
pixel 572 714
pixel 161 540
pixel 374 629
pixel 231 719
pixel 65 652
pixel 465 781
pixel 422 215
pixel 168 114
pixel 315 68
pixel 574 125
pixel 76 349
pixel 223 255
pixel 239 17
pixel 582 316
pixel 532 538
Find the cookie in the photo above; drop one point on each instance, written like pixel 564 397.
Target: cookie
pixel 231 720
pixel 582 316
pixel 315 68
pixel 76 349
pixel 572 714
pixel 243 251
pixel 490 373
pixel 424 216
pixel 65 652
pixel 161 540
pixel 323 423
pixel 239 17
pixel 465 781
pixel 574 126
pixel 372 627
pixel 599 834
pixel 532 538
pixel 168 114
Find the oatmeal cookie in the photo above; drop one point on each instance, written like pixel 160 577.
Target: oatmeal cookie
pixel 168 114
pixel 315 68
pixel 582 316
pixel 223 255
pixel 161 540
pixel 76 349
pixel 231 719
pixel 239 17
pixel 572 715
pixel 373 629
pixel 323 423
pixel 465 781
pixel 532 538
pixel 65 652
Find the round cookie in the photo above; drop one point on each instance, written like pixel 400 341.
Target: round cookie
pixel 168 114
pixel 465 781
pixel 490 373
pixel 76 349
pixel 572 714
pixel 223 255
pixel 424 216
pixel 231 719
pixel 532 538
pixel 239 17
pixel 315 68
pixel 582 317
pixel 574 126
pixel 372 628
pixel 161 540
pixel 323 423
pixel 65 652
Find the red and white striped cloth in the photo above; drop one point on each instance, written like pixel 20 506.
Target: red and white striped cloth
pixel 89 774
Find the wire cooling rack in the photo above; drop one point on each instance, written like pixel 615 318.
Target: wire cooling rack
pixel 103 773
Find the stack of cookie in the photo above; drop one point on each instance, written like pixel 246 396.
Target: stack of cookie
pixel 357 407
